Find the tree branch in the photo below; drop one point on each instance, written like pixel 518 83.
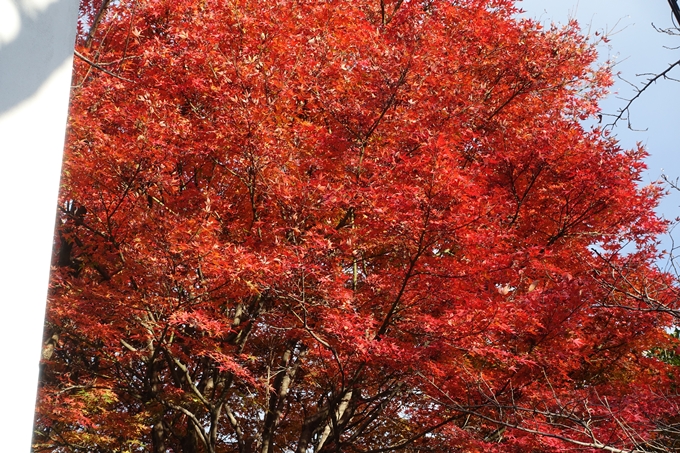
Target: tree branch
pixel 95 65
pixel 626 108
pixel 676 10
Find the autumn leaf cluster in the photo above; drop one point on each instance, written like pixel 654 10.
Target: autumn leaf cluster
pixel 356 226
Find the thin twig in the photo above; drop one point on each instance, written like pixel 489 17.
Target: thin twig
pixel 95 65
pixel 642 90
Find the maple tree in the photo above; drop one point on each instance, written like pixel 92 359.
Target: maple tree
pixel 315 226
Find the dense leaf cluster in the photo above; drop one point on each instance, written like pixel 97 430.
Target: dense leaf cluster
pixel 348 226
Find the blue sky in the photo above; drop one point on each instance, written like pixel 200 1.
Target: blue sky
pixel 636 48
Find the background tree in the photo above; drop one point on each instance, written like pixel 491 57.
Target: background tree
pixel 348 226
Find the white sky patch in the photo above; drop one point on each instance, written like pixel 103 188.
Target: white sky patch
pixel 10 21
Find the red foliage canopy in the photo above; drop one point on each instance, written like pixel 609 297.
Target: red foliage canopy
pixel 356 226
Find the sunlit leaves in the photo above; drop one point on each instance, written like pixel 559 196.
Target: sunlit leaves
pixel 346 225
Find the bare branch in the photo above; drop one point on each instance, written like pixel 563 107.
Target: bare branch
pixel 675 9
pixel 626 108
pixel 95 65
